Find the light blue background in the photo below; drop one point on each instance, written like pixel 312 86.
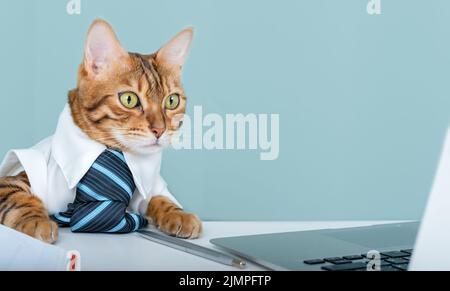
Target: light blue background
pixel 363 100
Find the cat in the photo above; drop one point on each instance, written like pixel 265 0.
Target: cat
pixel 141 122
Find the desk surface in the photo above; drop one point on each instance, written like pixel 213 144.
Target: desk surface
pixel 103 252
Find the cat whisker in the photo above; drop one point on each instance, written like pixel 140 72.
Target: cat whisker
pixel 135 135
pixel 114 128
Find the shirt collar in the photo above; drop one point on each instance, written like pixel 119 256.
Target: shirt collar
pixel 75 152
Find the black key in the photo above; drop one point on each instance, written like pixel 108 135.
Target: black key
pixel 397 261
pixel 345 267
pixel 389 269
pixel 314 262
pixel 381 256
pixel 395 254
pixel 403 267
pixel 353 258
pixel 331 260
pixel 341 262
pixel 382 264
pixel 407 251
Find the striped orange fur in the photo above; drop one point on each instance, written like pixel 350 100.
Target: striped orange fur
pixel 21 210
pixel 173 220
pixel 98 113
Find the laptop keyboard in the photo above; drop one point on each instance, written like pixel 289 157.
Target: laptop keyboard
pixel 390 261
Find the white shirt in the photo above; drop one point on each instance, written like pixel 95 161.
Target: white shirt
pixel 56 165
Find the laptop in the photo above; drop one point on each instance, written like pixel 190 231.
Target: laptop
pixel 416 246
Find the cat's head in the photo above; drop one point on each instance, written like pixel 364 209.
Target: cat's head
pixel 129 101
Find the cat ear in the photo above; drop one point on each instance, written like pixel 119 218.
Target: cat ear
pixel 174 53
pixel 102 48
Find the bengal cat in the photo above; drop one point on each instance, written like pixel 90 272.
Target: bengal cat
pixel 151 111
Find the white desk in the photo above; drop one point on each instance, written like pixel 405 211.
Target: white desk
pixel 103 252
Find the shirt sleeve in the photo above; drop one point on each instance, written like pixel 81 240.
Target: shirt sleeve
pixel 159 189
pixel 31 161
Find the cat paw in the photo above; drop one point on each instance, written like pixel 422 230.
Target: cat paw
pixel 42 229
pixel 181 224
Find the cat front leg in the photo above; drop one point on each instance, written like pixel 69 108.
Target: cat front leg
pixel 173 220
pixel 23 211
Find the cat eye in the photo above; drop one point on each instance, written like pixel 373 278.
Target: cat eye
pixel 129 99
pixel 172 102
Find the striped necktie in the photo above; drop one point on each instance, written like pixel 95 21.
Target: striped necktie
pixel 102 198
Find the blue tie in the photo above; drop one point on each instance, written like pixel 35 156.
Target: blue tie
pixel 102 199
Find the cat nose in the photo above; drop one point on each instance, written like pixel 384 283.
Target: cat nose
pixel 158 132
